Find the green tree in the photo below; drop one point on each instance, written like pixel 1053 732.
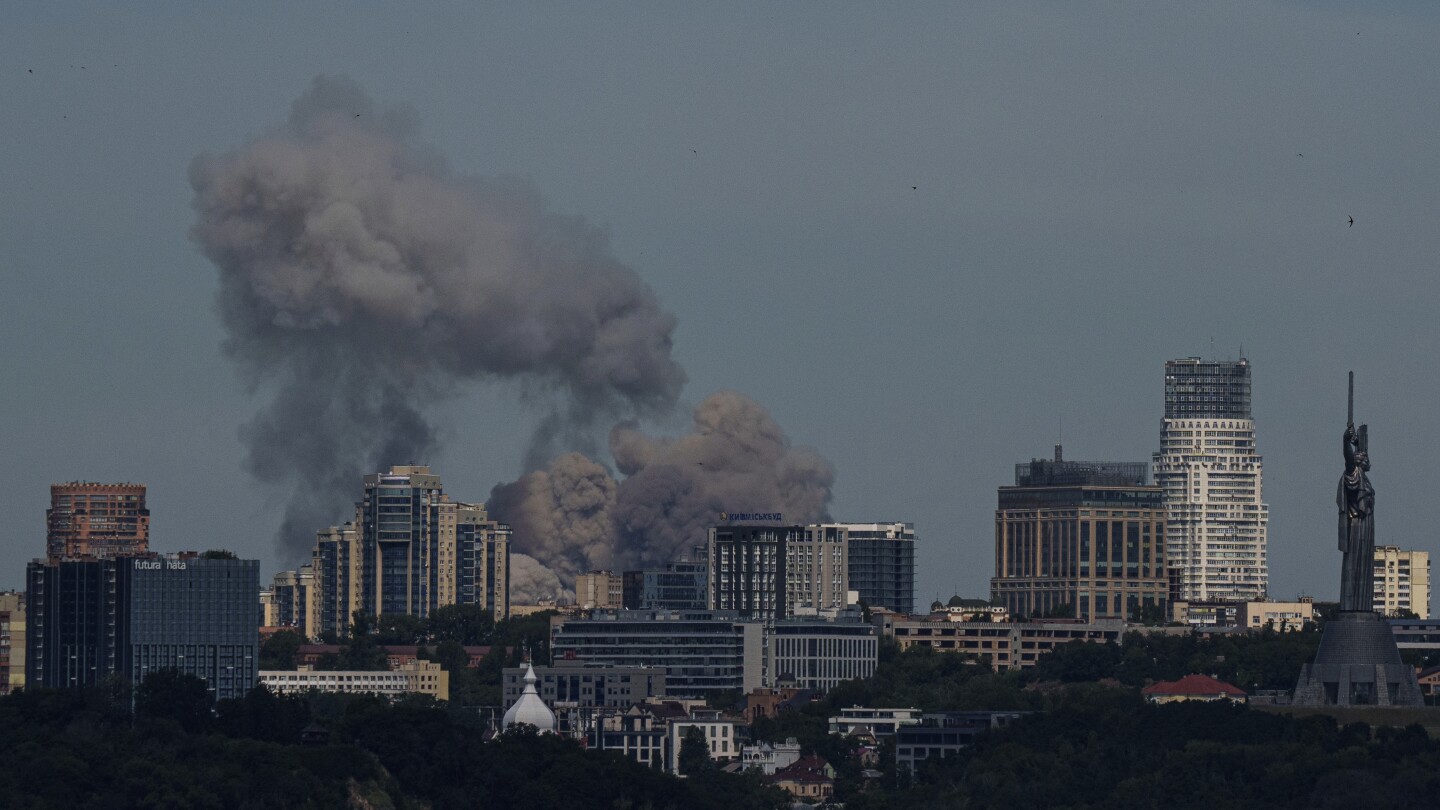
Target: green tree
pixel 169 694
pixel 278 651
pixel 694 752
pixel 471 625
pixel 399 628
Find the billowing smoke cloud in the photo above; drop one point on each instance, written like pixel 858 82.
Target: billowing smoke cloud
pixel 576 518
pixel 531 582
pixel 360 280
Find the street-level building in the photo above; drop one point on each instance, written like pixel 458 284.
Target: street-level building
pixel 941 734
pixel 1402 582
pixel 718 730
pixel 1000 645
pixel 879 722
pixel 1212 476
pixel 1278 616
pixel 571 684
pixel 1080 539
pixel 1193 687
pixel 702 652
pixel 414 678
pixel 819 653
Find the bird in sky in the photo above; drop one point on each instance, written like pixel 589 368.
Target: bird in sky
pixel 1352 223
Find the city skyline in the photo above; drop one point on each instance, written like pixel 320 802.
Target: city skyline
pixel 964 247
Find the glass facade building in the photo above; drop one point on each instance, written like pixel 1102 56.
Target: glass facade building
pixel 190 614
pixel 134 615
pixel 703 652
pixel 881 563
pixel 680 585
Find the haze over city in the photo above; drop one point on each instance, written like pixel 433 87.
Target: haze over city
pixel 932 242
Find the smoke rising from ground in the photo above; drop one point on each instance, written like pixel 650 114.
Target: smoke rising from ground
pixel 360 280
pixel 574 516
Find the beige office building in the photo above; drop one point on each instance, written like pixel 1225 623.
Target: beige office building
pixel 1081 539
pixel 1402 582
pixel 1007 645
pixel 416 677
pixel 817 569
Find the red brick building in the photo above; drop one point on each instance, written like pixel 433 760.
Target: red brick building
pixel 96 521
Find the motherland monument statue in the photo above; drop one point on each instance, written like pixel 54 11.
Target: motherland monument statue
pixel 1358 663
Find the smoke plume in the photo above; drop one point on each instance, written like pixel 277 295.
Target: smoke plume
pixel 360 280
pixel 576 518
pixel 531 582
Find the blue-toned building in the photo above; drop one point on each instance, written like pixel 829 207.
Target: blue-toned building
pixel 131 616
pixel 191 614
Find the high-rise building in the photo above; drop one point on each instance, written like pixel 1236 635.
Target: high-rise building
pixel 410 550
pixel 129 616
pixel 599 589
pixel 338 580
pixel 482 558
pixel 817 575
pixel 748 569
pixel 1211 474
pixel 191 613
pixel 292 601
pixel 400 541
pixel 1080 538
pixel 96 521
pixel 880 559
pixel 680 585
pixel 1402 582
pixel 12 641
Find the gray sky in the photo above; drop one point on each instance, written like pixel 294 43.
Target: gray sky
pixel 1095 189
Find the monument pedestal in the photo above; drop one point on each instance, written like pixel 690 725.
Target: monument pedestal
pixel 1358 665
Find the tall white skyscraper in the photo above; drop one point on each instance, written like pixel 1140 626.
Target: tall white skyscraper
pixel 1211 474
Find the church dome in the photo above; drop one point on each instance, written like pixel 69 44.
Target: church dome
pixel 530 709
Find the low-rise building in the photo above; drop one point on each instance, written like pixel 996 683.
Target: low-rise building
pixel 820 654
pixel 572 683
pixel 1193 687
pixel 810 778
pixel 771 701
pixel 880 722
pixel 1001 645
pixel 1416 634
pixel 636 733
pixel 1279 616
pixel 702 652
pixel 416 677
pixel 719 732
pixel 940 734
pixel 768 758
